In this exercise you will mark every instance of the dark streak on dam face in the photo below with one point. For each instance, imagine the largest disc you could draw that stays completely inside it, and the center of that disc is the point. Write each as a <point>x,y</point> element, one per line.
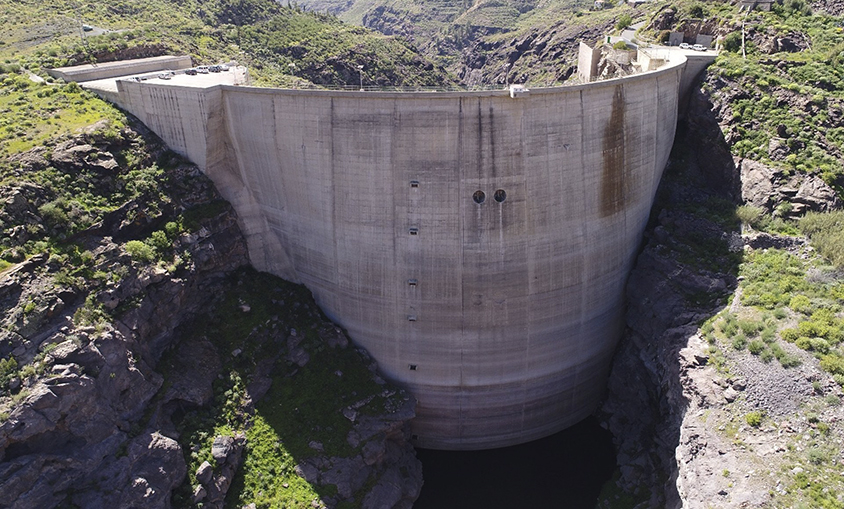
<point>612,179</point>
<point>508,330</point>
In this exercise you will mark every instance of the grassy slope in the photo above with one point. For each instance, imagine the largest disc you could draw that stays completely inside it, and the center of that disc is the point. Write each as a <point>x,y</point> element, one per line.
<point>797,97</point>
<point>259,33</point>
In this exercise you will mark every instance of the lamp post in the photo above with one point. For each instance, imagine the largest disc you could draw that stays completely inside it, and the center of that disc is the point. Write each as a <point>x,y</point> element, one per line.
<point>292,67</point>
<point>360,73</point>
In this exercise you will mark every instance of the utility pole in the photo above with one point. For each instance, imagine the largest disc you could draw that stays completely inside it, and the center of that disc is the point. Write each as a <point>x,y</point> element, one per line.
<point>743,53</point>
<point>360,73</point>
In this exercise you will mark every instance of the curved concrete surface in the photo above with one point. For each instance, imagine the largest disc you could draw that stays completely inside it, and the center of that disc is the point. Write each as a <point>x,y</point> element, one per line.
<point>500,316</point>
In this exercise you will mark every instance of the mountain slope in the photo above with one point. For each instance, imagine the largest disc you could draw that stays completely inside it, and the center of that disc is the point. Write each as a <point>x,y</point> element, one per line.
<point>261,34</point>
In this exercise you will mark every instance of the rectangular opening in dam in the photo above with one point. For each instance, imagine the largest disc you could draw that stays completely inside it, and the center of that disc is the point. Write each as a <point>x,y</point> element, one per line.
<point>411,282</point>
<point>414,231</point>
<point>411,318</point>
<point>412,367</point>
<point>414,183</point>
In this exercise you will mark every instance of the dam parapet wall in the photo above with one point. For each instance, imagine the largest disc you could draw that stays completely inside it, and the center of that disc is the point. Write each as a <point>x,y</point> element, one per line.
<point>476,244</point>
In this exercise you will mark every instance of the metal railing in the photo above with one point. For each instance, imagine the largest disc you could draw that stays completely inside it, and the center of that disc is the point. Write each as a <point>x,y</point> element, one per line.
<point>409,88</point>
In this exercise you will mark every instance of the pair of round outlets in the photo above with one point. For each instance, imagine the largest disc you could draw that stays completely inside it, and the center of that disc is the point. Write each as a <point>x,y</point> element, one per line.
<point>499,196</point>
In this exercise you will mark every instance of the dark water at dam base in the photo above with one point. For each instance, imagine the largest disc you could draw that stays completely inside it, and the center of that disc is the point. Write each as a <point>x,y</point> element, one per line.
<point>563,471</point>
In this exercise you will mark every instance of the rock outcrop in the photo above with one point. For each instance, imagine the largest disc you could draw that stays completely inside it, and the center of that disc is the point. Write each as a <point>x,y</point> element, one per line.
<point>101,360</point>
<point>685,407</point>
<point>794,195</point>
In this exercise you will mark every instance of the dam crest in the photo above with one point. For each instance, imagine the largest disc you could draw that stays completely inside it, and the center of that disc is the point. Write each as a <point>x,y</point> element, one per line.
<point>477,244</point>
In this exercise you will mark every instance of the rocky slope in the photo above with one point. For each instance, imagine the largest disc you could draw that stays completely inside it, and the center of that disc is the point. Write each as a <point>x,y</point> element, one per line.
<point>101,369</point>
<point>487,43</point>
<point>709,403</point>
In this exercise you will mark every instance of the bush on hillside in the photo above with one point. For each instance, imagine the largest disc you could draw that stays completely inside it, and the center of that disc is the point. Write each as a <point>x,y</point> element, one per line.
<point>826,232</point>
<point>733,42</point>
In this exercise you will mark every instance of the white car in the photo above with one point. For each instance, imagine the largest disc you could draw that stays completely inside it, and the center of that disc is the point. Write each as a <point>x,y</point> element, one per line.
<point>699,47</point>
<point>684,45</point>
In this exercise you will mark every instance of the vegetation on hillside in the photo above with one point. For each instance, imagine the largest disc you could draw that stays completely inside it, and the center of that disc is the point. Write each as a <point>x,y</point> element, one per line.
<point>264,35</point>
<point>783,93</point>
<point>534,42</point>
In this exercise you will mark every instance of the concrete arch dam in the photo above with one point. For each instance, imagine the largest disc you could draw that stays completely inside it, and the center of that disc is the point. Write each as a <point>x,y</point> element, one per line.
<point>477,245</point>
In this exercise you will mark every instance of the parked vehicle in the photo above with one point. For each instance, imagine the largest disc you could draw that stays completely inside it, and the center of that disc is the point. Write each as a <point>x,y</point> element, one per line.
<point>699,47</point>
<point>202,69</point>
<point>214,68</point>
<point>190,72</point>
<point>684,45</point>
<point>87,28</point>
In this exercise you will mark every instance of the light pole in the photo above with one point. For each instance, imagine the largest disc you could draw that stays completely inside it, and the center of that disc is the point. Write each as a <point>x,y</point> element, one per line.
<point>360,73</point>
<point>292,67</point>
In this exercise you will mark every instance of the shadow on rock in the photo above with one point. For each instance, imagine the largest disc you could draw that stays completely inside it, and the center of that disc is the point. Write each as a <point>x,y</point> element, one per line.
<point>688,266</point>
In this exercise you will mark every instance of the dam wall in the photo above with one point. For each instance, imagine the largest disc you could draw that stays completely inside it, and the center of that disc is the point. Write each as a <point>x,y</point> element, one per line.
<point>477,245</point>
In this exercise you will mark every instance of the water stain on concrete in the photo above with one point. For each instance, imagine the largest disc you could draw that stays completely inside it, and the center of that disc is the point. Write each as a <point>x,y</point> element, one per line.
<point>612,179</point>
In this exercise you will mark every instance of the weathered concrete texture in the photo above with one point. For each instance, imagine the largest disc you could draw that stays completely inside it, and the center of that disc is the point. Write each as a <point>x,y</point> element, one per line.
<point>88,72</point>
<point>500,316</point>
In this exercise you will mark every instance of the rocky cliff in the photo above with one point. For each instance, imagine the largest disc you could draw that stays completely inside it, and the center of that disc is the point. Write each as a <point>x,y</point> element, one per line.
<point>709,402</point>
<point>103,374</point>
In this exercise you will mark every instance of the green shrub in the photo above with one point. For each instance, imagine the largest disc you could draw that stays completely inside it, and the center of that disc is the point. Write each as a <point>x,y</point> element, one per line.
<point>750,215</point>
<point>696,10</point>
<point>159,241</point>
<point>8,368</point>
<point>53,214</point>
<point>790,335</point>
<point>624,21</point>
<point>785,359</point>
<point>819,345</point>
<point>740,342</point>
<point>801,304</point>
<point>620,45</point>
<point>816,456</point>
<point>826,233</point>
<point>140,251</point>
<point>833,364</point>
<point>769,335</point>
<point>750,327</point>
<point>824,316</point>
<point>813,329</point>
<point>729,327</point>
<point>756,347</point>
<point>753,418</point>
<point>793,8</point>
<point>172,230</point>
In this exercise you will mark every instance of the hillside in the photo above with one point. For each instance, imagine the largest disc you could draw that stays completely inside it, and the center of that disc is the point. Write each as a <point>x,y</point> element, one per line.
<point>264,35</point>
<point>735,304</point>
<point>484,42</point>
